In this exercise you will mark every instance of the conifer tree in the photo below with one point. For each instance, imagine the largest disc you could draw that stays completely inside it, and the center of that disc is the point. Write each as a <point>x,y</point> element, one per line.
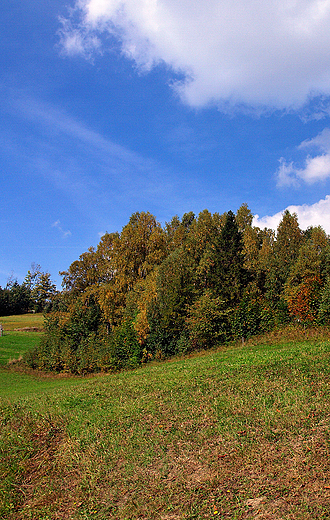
<point>229,276</point>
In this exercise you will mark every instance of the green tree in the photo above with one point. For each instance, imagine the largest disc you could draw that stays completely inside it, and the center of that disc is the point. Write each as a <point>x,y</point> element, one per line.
<point>174,290</point>
<point>14,298</point>
<point>42,289</point>
<point>228,276</point>
<point>207,322</point>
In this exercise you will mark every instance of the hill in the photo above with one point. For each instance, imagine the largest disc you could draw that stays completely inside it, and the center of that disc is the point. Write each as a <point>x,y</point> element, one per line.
<point>241,432</point>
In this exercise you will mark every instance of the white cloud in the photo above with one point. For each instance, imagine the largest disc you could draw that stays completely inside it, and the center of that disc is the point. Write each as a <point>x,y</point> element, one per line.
<point>287,174</point>
<point>233,53</point>
<point>320,142</point>
<point>315,169</point>
<point>317,214</point>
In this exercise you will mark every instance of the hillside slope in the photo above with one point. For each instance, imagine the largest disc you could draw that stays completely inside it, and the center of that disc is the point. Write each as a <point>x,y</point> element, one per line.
<point>238,433</point>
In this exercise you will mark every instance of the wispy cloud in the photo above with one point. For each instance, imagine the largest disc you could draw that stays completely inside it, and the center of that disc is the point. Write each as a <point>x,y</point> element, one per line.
<point>317,214</point>
<point>92,171</point>
<point>58,226</point>
<point>315,168</point>
<point>231,53</point>
<point>77,40</point>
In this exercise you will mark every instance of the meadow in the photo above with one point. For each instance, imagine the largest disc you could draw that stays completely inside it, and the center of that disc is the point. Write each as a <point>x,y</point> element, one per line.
<point>20,333</point>
<point>235,433</point>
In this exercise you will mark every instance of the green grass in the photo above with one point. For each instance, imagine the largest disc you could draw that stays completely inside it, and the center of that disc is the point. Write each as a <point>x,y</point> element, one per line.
<point>15,341</point>
<point>15,344</point>
<point>240,433</point>
<point>17,385</point>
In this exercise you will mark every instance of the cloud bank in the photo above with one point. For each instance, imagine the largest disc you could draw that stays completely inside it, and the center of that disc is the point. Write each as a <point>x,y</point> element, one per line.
<point>317,214</point>
<point>231,53</point>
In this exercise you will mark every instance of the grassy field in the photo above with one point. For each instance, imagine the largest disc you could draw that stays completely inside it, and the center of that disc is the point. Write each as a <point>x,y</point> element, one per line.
<point>239,433</point>
<point>13,345</point>
<point>19,335</point>
<point>22,321</point>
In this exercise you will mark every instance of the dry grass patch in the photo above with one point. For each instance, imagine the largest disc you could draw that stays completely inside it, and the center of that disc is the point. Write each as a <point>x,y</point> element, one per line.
<point>23,322</point>
<point>40,472</point>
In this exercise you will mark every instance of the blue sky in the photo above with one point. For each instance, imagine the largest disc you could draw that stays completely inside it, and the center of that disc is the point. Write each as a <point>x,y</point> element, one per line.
<point>110,107</point>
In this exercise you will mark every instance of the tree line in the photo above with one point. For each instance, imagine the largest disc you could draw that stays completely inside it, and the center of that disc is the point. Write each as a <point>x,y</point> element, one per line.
<point>151,292</point>
<point>34,294</point>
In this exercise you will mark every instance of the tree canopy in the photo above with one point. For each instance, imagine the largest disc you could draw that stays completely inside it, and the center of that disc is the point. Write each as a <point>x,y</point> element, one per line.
<point>150,292</point>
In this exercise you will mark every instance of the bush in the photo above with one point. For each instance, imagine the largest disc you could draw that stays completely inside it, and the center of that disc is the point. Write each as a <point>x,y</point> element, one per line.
<point>126,351</point>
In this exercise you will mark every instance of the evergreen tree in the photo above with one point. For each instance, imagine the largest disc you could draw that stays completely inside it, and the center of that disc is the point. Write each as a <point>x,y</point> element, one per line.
<point>228,276</point>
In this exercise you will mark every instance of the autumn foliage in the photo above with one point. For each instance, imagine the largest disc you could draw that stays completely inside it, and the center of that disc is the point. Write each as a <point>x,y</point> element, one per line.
<point>151,292</point>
